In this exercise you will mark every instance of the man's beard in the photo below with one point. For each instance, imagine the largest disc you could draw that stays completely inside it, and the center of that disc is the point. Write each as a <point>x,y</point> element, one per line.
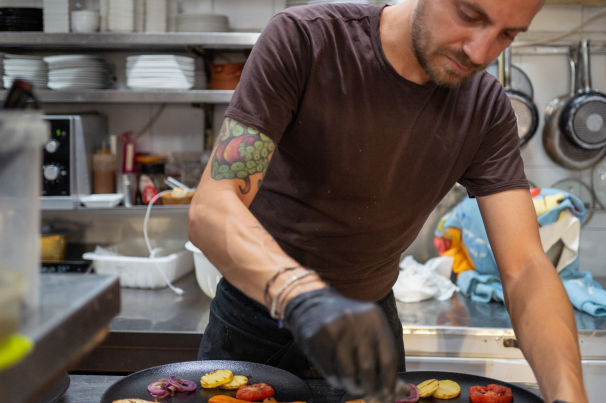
<point>440,73</point>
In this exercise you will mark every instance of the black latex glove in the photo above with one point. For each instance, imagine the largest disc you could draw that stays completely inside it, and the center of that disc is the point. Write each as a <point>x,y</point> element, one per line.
<point>348,341</point>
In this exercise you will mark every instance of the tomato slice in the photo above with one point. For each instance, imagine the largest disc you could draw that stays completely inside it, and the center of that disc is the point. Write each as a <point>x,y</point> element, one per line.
<point>490,394</point>
<point>258,391</point>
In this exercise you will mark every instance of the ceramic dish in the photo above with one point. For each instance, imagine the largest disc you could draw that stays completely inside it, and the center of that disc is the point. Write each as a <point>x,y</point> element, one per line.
<point>107,200</point>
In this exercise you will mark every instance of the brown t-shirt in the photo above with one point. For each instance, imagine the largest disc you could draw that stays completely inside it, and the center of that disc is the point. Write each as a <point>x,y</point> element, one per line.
<point>363,154</point>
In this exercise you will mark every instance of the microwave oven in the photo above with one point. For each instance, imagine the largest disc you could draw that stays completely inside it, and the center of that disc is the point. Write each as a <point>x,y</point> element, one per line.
<point>66,158</point>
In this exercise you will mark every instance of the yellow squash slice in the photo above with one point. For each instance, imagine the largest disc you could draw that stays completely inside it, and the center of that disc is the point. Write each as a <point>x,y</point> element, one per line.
<point>447,390</point>
<point>239,380</point>
<point>216,378</point>
<point>428,387</point>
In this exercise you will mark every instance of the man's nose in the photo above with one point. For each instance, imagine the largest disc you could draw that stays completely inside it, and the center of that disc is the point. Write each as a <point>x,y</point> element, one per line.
<point>480,47</point>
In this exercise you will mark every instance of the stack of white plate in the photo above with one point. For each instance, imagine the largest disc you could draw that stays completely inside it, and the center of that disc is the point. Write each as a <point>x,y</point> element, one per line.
<point>160,72</point>
<point>202,23</point>
<point>155,15</point>
<point>30,68</point>
<point>56,15</point>
<point>121,15</point>
<point>77,72</point>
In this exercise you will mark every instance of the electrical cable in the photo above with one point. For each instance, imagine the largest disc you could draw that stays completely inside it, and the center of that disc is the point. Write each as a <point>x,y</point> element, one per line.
<point>177,290</point>
<point>150,123</point>
<point>559,36</point>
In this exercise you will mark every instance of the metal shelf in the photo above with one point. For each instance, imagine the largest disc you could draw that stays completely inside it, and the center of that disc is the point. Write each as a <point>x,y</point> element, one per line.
<point>159,209</point>
<point>112,40</point>
<point>133,97</point>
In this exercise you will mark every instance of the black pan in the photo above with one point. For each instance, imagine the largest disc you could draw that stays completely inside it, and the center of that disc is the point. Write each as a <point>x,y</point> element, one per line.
<point>287,386</point>
<point>465,381</point>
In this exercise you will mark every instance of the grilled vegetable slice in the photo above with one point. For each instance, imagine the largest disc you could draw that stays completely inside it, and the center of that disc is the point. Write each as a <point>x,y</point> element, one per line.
<point>239,380</point>
<point>428,387</point>
<point>225,399</point>
<point>447,390</point>
<point>216,378</point>
<point>258,391</point>
<point>490,394</point>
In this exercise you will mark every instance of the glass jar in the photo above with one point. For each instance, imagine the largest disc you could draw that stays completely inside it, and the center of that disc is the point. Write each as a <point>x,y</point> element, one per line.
<point>151,181</point>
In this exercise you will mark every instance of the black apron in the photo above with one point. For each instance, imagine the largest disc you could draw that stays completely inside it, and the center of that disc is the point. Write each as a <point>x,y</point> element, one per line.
<point>241,329</point>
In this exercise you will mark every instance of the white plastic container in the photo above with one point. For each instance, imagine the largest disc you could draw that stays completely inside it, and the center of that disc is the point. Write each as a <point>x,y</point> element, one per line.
<point>22,135</point>
<point>207,275</point>
<point>137,271</point>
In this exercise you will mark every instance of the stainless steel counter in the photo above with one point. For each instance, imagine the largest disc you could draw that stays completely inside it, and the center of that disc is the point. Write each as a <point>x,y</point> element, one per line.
<point>460,327</point>
<point>162,311</point>
<point>72,318</point>
<point>157,327</point>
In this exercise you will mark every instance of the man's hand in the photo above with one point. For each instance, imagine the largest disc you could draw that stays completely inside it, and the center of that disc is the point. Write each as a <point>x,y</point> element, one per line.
<point>347,340</point>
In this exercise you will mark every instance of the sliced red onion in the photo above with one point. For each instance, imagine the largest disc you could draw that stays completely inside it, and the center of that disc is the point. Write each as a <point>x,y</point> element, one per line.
<point>158,388</point>
<point>413,394</point>
<point>182,385</point>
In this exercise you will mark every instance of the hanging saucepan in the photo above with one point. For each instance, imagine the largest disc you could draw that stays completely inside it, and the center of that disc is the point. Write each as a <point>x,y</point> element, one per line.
<point>557,146</point>
<point>523,106</point>
<point>583,118</point>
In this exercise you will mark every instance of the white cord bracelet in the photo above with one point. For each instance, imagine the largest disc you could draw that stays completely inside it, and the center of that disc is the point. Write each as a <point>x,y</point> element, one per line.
<point>274,302</point>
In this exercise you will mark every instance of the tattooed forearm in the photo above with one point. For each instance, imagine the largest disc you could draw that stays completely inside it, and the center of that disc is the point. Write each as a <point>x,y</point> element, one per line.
<point>241,152</point>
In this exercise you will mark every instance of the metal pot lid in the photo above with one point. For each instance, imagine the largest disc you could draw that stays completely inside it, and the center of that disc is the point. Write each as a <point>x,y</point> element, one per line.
<point>519,80</point>
<point>526,113</point>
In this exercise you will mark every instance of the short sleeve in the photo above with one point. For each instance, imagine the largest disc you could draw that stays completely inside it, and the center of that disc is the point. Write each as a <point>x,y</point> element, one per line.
<point>497,165</point>
<point>273,78</point>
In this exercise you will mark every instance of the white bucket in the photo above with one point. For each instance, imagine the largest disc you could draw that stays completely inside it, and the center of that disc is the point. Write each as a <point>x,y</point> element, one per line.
<point>207,275</point>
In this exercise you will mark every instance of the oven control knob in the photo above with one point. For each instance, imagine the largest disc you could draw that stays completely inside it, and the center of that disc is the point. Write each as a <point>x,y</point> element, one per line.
<point>51,146</point>
<point>51,172</point>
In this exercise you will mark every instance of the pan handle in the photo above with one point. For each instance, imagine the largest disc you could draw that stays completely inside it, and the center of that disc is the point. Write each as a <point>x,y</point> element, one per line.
<point>573,53</point>
<point>507,68</point>
<point>586,67</point>
<point>501,69</point>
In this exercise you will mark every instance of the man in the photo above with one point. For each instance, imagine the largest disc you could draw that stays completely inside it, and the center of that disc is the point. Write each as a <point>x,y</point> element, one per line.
<point>369,115</point>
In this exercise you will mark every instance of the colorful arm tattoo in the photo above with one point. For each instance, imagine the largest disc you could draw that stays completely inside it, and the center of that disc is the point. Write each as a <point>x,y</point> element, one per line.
<point>241,152</point>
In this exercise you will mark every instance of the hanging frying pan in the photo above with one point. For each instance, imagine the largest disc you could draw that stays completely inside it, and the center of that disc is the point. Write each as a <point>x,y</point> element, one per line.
<point>557,146</point>
<point>583,118</point>
<point>526,111</point>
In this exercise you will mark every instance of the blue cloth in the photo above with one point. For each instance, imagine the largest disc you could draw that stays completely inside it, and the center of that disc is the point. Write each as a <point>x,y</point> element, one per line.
<point>484,284</point>
<point>570,202</point>
<point>466,217</point>
<point>584,292</point>
<point>480,287</point>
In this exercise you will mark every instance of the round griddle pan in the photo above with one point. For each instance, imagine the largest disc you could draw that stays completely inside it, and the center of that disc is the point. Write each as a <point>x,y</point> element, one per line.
<point>556,144</point>
<point>287,386</point>
<point>465,381</point>
<point>583,118</point>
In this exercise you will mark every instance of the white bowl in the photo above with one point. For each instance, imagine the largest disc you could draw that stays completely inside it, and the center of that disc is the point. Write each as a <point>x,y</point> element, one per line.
<point>85,21</point>
<point>107,200</point>
<point>207,275</point>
